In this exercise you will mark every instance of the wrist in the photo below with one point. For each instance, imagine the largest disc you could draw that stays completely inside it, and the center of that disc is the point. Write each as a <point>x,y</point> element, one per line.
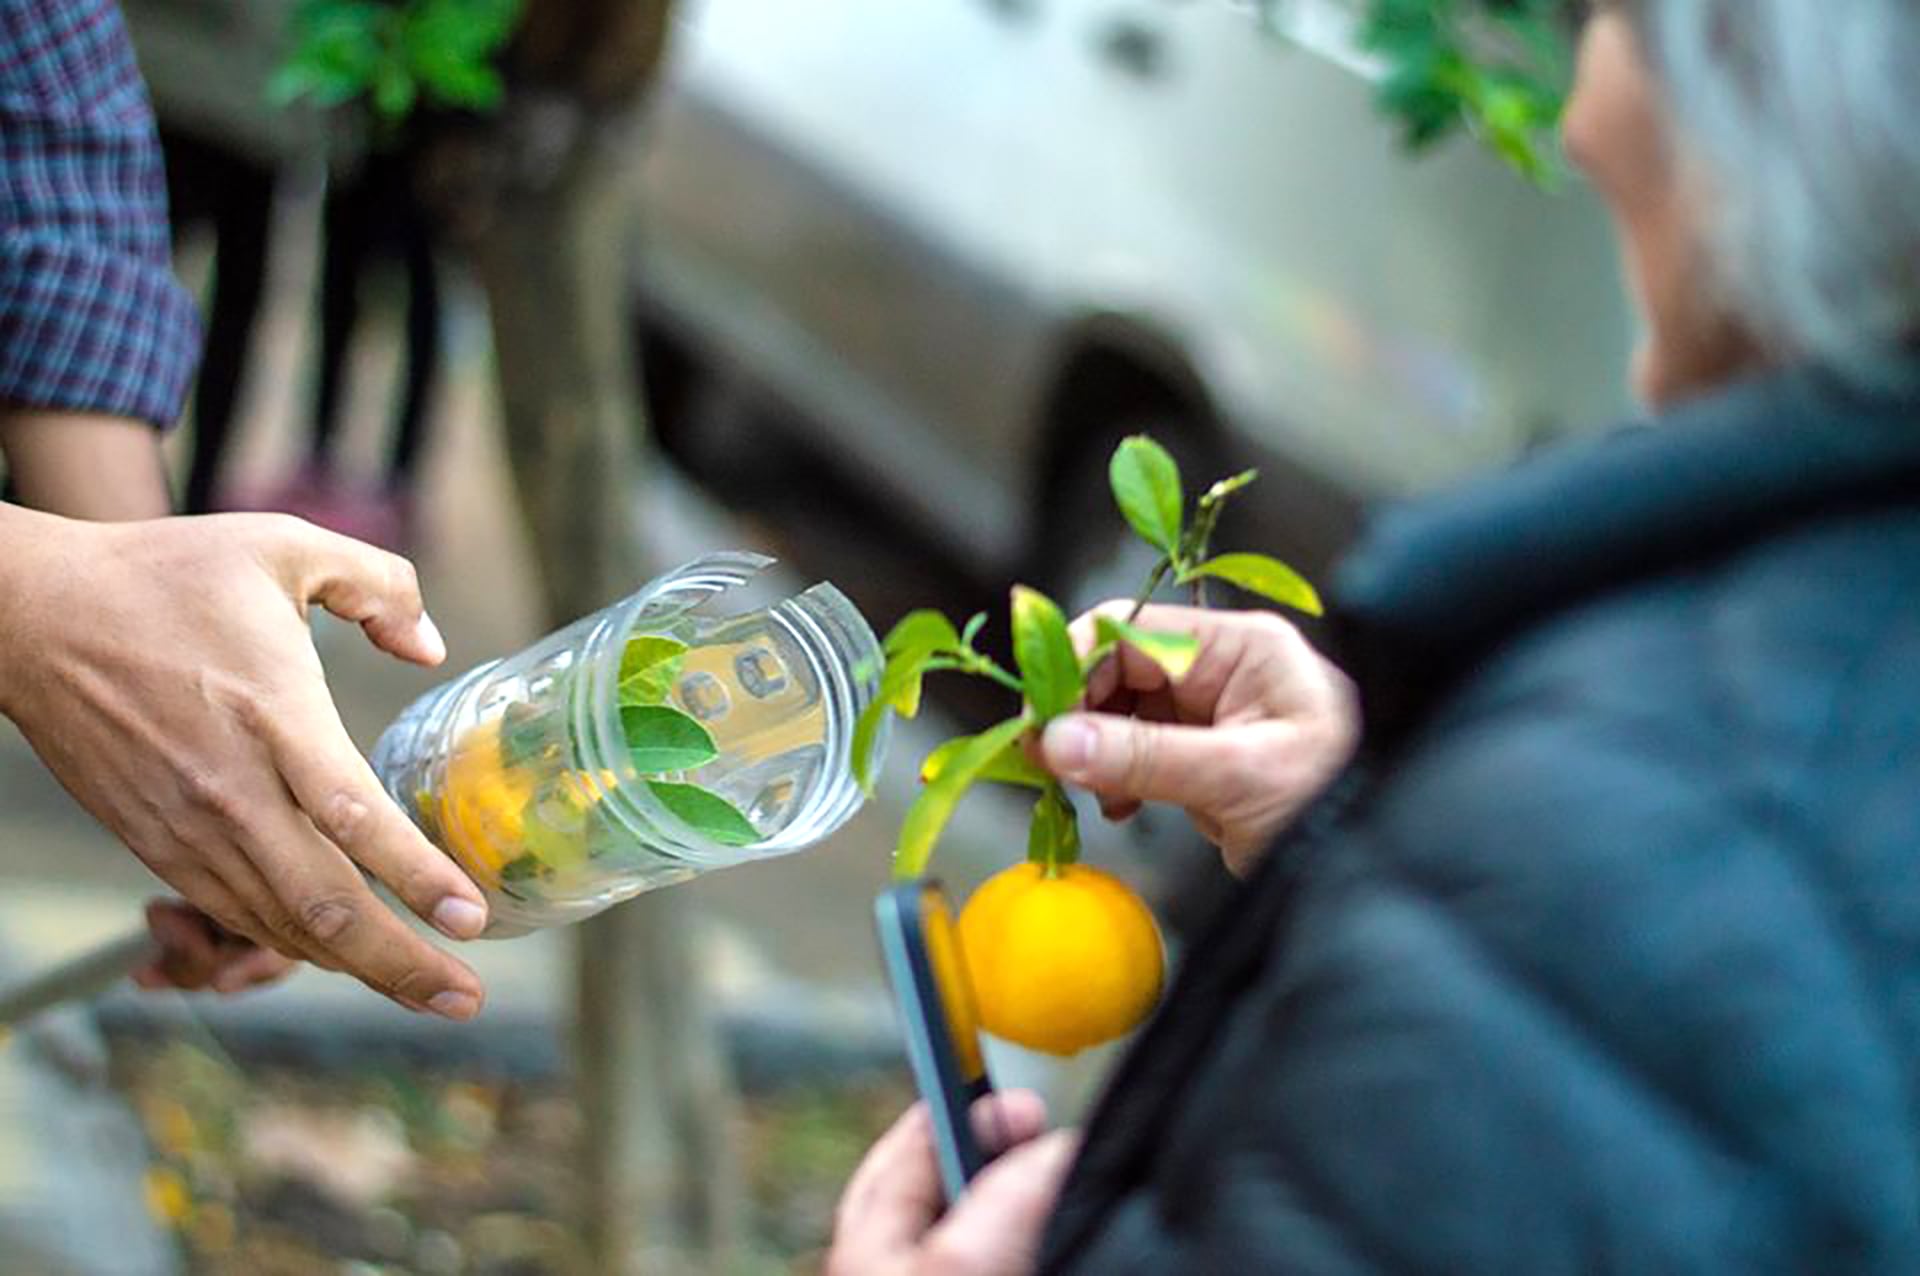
<point>27,555</point>
<point>106,469</point>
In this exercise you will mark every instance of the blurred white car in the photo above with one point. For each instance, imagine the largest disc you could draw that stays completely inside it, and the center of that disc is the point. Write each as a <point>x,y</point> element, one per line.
<point>973,242</point>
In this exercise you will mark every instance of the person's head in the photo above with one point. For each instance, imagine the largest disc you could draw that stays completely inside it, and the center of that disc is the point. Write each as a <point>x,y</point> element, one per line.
<point>1762,162</point>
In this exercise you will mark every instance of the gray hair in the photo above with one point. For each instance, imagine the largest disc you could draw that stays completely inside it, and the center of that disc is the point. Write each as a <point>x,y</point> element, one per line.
<point>1802,119</point>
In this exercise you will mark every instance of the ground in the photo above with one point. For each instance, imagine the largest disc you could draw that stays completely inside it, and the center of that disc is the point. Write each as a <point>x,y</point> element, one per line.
<point>390,1169</point>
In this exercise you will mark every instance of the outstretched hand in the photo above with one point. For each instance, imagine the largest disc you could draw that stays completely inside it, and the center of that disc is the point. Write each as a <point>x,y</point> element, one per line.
<point>165,673</point>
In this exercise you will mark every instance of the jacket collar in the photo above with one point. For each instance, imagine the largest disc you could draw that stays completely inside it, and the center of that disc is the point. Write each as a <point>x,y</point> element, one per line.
<point>1436,586</point>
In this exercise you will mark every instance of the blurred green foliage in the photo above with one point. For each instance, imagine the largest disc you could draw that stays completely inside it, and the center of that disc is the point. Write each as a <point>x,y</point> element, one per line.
<point>397,54</point>
<point>1499,69</point>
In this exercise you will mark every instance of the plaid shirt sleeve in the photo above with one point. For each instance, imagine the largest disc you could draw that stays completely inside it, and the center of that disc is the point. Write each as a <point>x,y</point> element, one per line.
<point>91,316</point>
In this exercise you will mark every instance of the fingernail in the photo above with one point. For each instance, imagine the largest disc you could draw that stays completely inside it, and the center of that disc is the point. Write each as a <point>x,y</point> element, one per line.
<point>458,1006</point>
<point>1069,745</point>
<point>460,918</point>
<point>432,645</point>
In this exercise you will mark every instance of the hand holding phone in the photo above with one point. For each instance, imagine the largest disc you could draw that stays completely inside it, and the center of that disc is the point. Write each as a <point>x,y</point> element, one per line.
<point>920,949</point>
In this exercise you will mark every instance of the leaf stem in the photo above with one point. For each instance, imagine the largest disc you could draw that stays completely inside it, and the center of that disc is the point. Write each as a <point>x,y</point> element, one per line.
<point>985,666</point>
<point>1146,593</point>
<point>967,661</point>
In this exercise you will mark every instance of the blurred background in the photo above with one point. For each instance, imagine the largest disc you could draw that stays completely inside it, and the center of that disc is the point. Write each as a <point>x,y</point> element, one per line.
<point>553,296</point>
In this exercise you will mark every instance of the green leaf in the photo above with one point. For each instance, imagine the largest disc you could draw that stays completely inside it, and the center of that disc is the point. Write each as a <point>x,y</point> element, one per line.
<point>1146,484</point>
<point>394,91</point>
<point>1049,667</point>
<point>649,667</point>
<point>1010,766</point>
<point>525,868</point>
<point>928,816</point>
<point>1174,653</point>
<point>1258,574</point>
<point>923,630</point>
<point>708,814</point>
<point>1053,833</point>
<point>661,740</point>
<point>526,733</point>
<point>324,85</point>
<point>464,84</point>
<point>866,733</point>
<point>554,850</point>
<point>900,687</point>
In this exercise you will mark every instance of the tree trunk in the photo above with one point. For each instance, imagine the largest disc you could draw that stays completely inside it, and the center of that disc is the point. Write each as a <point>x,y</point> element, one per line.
<point>552,247</point>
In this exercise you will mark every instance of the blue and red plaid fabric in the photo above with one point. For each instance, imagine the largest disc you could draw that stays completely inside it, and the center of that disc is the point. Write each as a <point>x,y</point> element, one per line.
<point>91,316</point>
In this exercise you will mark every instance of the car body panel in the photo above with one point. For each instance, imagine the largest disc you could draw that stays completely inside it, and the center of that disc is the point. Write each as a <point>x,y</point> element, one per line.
<point>908,218</point>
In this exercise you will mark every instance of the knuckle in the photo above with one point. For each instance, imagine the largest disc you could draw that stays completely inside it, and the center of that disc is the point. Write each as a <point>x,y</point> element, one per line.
<point>414,983</point>
<point>328,917</point>
<point>280,530</point>
<point>250,707</point>
<point>342,817</point>
<point>210,793</point>
<point>1142,756</point>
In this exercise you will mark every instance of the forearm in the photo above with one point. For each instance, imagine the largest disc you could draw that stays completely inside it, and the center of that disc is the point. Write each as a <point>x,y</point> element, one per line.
<point>29,551</point>
<point>94,467</point>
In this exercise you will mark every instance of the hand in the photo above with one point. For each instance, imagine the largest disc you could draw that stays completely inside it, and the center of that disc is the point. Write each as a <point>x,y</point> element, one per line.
<point>196,953</point>
<point>889,1222</point>
<point>165,673</point>
<point>1259,725</point>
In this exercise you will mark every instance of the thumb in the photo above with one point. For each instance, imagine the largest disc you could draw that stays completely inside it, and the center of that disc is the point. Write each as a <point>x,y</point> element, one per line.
<point>376,590</point>
<point>1128,759</point>
<point>996,1224</point>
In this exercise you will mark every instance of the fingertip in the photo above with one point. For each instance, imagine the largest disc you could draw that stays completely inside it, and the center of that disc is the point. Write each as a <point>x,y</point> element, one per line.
<point>455,1004</point>
<point>458,917</point>
<point>429,645</point>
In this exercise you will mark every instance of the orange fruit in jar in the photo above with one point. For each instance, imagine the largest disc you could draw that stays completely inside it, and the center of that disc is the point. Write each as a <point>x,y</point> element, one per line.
<point>1061,959</point>
<point>483,805</point>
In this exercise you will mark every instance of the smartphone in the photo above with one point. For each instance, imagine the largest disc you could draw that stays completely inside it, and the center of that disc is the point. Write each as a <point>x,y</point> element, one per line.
<point>920,949</point>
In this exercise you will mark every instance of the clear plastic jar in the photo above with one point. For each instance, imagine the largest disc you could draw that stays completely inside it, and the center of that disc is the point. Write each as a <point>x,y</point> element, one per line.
<point>568,777</point>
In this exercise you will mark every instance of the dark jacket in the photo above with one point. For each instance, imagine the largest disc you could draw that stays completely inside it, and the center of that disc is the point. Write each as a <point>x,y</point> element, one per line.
<point>1606,956</point>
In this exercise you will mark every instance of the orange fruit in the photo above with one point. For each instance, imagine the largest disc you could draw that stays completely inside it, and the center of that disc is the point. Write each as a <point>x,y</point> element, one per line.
<point>1061,960</point>
<point>483,806</point>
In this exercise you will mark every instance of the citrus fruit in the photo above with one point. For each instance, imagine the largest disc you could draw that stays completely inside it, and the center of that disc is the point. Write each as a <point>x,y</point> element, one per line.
<point>1061,959</point>
<point>483,805</point>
